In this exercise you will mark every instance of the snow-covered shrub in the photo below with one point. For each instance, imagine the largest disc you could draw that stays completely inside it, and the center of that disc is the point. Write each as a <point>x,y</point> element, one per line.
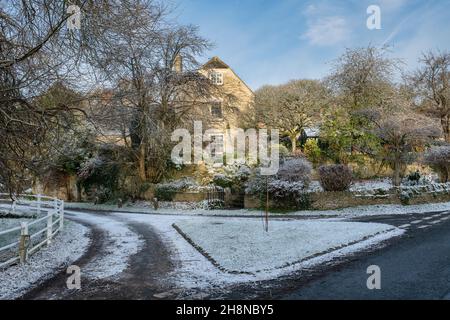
<point>336,177</point>
<point>243,173</point>
<point>212,204</point>
<point>232,176</point>
<point>289,194</point>
<point>295,170</point>
<point>183,184</point>
<point>282,150</point>
<point>285,194</point>
<point>423,181</point>
<point>438,158</point>
<point>223,181</point>
<point>405,196</point>
<point>89,167</point>
<point>102,194</point>
<point>256,185</point>
<point>164,192</point>
<point>413,178</point>
<point>99,177</point>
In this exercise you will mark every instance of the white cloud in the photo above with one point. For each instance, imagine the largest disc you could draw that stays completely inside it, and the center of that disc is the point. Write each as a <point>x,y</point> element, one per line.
<point>327,31</point>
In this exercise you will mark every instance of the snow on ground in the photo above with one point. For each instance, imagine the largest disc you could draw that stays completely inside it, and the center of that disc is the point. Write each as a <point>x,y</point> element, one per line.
<point>121,244</point>
<point>358,186</point>
<point>193,270</point>
<point>243,246</point>
<point>371,185</point>
<point>64,250</point>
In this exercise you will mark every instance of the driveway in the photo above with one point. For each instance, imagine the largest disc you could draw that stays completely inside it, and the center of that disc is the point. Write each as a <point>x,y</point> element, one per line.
<point>140,280</point>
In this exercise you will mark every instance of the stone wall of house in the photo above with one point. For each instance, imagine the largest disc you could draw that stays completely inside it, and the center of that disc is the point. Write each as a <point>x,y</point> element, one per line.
<point>236,97</point>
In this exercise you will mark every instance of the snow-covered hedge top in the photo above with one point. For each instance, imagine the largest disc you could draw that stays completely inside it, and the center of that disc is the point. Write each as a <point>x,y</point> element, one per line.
<point>184,184</point>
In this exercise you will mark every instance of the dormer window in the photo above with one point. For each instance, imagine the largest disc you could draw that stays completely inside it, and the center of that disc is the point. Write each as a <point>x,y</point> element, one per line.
<point>216,78</point>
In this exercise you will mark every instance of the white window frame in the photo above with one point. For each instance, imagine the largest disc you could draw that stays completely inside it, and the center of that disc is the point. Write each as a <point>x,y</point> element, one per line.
<point>216,78</point>
<point>212,105</point>
<point>215,145</point>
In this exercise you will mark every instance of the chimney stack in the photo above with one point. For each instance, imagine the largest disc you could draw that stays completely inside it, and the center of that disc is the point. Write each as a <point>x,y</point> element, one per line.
<point>178,64</point>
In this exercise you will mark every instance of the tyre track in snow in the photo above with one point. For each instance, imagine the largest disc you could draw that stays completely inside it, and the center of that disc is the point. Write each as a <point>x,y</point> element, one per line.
<point>141,279</point>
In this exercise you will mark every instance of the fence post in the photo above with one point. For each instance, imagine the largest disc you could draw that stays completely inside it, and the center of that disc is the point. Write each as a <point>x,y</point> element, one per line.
<point>38,204</point>
<point>14,206</point>
<point>24,241</point>
<point>50,221</point>
<point>61,215</point>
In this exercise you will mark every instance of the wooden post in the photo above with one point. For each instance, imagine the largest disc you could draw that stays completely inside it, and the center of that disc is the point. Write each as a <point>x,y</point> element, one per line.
<point>61,215</point>
<point>267,205</point>
<point>24,241</point>
<point>50,221</point>
<point>38,204</point>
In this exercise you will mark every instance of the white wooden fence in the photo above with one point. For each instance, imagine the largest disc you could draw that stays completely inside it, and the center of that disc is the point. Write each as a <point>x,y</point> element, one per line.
<point>49,211</point>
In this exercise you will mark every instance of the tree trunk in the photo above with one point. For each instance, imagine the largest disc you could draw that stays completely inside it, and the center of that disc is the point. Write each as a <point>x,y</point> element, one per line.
<point>141,163</point>
<point>294,143</point>
<point>444,176</point>
<point>79,191</point>
<point>396,179</point>
<point>445,123</point>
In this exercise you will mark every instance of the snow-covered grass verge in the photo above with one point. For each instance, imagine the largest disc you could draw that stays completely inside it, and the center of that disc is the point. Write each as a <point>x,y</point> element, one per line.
<point>194,270</point>
<point>67,248</point>
<point>121,243</point>
<point>242,246</point>
<point>352,212</point>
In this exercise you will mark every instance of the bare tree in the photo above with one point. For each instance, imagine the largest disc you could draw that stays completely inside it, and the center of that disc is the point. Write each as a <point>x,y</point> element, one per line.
<point>136,55</point>
<point>31,59</point>
<point>291,107</point>
<point>400,135</point>
<point>361,82</point>
<point>361,77</point>
<point>432,82</point>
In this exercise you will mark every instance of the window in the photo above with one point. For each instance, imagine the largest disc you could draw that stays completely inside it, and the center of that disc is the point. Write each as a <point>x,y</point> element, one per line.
<point>216,78</point>
<point>216,145</point>
<point>216,110</point>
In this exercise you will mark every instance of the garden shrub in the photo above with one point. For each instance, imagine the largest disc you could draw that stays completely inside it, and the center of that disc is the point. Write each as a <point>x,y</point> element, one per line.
<point>102,194</point>
<point>213,204</point>
<point>283,190</point>
<point>232,176</point>
<point>413,178</point>
<point>164,192</point>
<point>282,150</point>
<point>223,181</point>
<point>295,170</point>
<point>99,177</point>
<point>289,194</point>
<point>336,177</point>
<point>312,151</point>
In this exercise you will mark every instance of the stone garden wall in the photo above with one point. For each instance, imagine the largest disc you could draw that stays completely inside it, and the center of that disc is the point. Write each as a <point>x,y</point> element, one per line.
<point>338,200</point>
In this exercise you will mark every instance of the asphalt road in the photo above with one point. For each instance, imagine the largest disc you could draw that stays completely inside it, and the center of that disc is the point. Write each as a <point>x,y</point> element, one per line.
<point>416,266</point>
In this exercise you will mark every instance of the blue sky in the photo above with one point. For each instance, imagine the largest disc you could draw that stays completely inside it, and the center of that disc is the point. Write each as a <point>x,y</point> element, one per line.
<point>273,41</point>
